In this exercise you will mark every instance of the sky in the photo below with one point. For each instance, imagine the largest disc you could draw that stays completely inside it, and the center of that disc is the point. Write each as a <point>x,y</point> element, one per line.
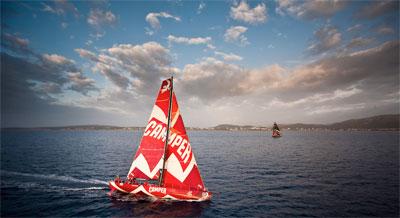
<point>233,62</point>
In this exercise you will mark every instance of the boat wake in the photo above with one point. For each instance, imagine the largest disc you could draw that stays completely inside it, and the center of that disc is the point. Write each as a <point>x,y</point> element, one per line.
<point>50,182</point>
<point>55,177</point>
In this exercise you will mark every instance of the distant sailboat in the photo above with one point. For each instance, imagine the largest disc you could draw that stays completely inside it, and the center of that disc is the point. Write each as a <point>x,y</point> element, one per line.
<point>164,166</point>
<point>276,132</point>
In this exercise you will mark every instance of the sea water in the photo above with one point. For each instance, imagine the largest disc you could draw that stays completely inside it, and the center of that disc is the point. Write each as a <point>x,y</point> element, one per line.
<point>303,173</point>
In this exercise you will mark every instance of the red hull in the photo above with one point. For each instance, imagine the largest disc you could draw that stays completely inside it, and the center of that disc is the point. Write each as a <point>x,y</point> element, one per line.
<point>276,134</point>
<point>157,192</point>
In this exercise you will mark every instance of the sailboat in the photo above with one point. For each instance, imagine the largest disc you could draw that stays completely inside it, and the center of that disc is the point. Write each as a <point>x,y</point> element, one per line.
<point>164,166</point>
<point>276,133</point>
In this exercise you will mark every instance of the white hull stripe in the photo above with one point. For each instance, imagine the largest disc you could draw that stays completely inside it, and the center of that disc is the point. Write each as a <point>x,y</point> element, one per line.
<point>141,189</point>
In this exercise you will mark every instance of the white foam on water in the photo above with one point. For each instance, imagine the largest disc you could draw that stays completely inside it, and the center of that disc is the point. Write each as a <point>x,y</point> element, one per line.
<point>56,177</point>
<point>87,188</point>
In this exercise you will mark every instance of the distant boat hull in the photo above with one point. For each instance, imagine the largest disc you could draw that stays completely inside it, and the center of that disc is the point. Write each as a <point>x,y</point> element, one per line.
<point>155,191</point>
<point>276,134</point>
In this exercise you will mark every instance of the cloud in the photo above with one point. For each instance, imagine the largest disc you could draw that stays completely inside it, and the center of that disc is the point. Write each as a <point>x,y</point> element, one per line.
<point>44,78</point>
<point>316,98</point>
<point>385,30</point>
<point>59,63</point>
<point>60,8</point>
<point>325,38</point>
<point>64,25</point>
<point>98,18</point>
<point>30,96</point>
<point>377,8</point>
<point>330,109</point>
<point>81,84</point>
<point>243,12</point>
<point>359,42</point>
<point>43,72</point>
<point>235,35</point>
<point>201,7</point>
<point>310,9</point>
<point>355,28</point>
<point>359,84</point>
<point>153,19</point>
<point>228,57</point>
<point>212,79</point>
<point>148,31</point>
<point>191,41</point>
<point>346,70</point>
<point>15,43</point>
<point>87,54</point>
<point>134,67</point>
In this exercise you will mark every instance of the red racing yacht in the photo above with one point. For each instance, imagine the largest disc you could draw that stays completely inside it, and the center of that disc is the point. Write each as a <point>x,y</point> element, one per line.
<point>164,166</point>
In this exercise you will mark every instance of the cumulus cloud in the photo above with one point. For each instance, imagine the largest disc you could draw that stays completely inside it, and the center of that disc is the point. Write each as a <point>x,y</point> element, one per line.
<point>43,72</point>
<point>325,38</point>
<point>228,57</point>
<point>243,12</point>
<point>375,9</point>
<point>350,82</point>
<point>369,67</point>
<point>190,41</point>
<point>310,9</point>
<point>98,18</point>
<point>153,19</point>
<point>136,67</point>
<point>235,35</point>
<point>212,79</point>
<point>86,54</point>
<point>81,84</point>
<point>353,78</point>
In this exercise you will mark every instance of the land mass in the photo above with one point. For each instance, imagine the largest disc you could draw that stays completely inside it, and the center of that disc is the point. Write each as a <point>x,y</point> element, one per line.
<point>381,122</point>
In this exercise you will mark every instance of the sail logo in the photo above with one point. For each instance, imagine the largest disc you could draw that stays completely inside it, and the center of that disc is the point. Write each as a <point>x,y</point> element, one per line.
<point>166,87</point>
<point>157,189</point>
<point>158,131</point>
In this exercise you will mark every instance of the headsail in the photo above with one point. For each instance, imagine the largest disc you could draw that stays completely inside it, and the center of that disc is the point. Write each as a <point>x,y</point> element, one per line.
<point>148,158</point>
<point>181,169</point>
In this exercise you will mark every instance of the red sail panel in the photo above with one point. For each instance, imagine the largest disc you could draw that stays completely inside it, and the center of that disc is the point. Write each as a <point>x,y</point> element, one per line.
<point>148,158</point>
<point>181,169</point>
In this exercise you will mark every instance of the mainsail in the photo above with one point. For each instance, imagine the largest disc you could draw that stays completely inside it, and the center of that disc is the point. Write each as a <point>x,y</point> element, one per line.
<point>181,169</point>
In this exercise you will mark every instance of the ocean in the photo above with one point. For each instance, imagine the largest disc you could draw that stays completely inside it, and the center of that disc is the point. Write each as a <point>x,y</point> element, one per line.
<point>304,173</point>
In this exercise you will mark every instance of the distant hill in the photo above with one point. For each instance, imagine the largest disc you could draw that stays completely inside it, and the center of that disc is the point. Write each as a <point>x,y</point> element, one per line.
<point>390,121</point>
<point>381,122</point>
<point>79,127</point>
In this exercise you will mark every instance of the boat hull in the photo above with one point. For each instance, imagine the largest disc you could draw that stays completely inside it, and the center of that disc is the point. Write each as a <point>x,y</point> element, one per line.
<point>276,134</point>
<point>155,191</point>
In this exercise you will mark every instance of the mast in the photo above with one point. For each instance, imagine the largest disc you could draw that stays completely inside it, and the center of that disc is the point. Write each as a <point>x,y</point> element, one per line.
<point>168,126</point>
